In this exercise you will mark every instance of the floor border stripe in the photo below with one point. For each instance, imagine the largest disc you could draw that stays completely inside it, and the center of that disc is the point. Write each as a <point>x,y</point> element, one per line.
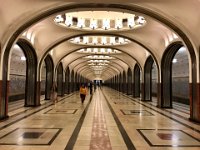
<point>26,116</point>
<point>162,113</point>
<point>77,129</point>
<point>125,136</point>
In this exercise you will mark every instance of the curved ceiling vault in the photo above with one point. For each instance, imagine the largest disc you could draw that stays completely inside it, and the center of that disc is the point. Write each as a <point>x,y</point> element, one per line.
<point>98,63</point>
<point>109,28</point>
<point>100,40</point>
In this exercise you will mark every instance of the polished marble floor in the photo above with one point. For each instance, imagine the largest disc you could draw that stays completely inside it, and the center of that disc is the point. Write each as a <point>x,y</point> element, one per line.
<point>108,120</point>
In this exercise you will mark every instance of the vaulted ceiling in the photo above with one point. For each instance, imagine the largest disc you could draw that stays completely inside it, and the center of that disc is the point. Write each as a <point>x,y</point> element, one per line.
<point>99,40</point>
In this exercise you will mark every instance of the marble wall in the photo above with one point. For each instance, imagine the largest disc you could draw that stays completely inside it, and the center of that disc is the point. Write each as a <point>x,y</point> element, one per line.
<point>180,77</point>
<point>154,79</point>
<point>18,75</point>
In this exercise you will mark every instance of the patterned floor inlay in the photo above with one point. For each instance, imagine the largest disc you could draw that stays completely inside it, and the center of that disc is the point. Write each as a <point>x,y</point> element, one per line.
<point>100,138</point>
<point>61,111</point>
<point>168,138</point>
<point>30,136</point>
<point>124,103</point>
<point>137,112</point>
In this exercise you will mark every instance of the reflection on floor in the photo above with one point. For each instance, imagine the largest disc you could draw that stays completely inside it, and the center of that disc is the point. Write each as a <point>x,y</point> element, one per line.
<point>17,107</point>
<point>179,109</point>
<point>107,120</point>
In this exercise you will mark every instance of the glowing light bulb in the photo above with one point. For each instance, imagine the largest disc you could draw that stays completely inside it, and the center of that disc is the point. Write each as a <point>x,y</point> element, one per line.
<point>93,24</point>
<point>85,39</point>
<point>112,40</point>
<point>68,21</point>
<point>59,19</point>
<point>77,39</point>
<point>106,24</point>
<point>131,21</point>
<point>94,40</point>
<point>118,24</point>
<point>81,22</point>
<point>104,40</point>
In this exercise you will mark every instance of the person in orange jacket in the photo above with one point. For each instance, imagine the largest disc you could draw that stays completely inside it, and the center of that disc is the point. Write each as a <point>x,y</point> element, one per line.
<point>83,93</point>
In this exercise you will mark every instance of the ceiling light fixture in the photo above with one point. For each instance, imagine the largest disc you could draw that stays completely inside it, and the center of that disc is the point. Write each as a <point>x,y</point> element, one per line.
<point>118,23</point>
<point>100,20</point>
<point>93,24</point>
<point>99,51</point>
<point>106,24</point>
<point>100,40</point>
<point>68,21</point>
<point>81,22</point>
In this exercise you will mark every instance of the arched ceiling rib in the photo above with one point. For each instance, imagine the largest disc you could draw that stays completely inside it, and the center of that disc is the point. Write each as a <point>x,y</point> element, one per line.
<point>71,59</point>
<point>114,70</point>
<point>83,63</point>
<point>131,49</point>
<point>153,37</point>
<point>80,58</point>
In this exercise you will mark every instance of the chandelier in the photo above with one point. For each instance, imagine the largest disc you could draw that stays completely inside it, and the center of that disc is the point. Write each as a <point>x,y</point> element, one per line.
<point>100,20</point>
<point>99,51</point>
<point>99,40</point>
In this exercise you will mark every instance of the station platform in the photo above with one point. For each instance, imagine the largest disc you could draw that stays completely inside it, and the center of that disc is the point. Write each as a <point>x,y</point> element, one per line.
<point>107,120</point>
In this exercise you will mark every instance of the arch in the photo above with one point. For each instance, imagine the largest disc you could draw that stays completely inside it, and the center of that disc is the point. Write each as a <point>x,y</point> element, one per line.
<point>129,81</point>
<point>72,81</point>
<point>81,79</point>
<point>67,80</point>
<point>147,85</point>
<point>31,72</point>
<point>76,82</point>
<point>82,64</point>
<point>166,75</point>
<point>124,82</point>
<point>99,54</point>
<point>136,8</point>
<point>67,38</point>
<point>155,82</point>
<point>17,83</point>
<point>94,54</point>
<point>136,88</point>
<point>31,87</point>
<point>49,76</point>
<point>60,80</point>
<point>120,82</point>
<point>109,67</point>
<point>118,86</point>
<point>115,83</point>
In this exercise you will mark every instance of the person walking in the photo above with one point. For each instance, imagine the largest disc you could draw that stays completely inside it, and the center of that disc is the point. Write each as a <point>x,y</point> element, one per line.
<point>83,93</point>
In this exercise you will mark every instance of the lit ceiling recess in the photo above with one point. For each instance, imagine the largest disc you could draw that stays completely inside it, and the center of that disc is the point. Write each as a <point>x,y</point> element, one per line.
<point>100,20</point>
<point>103,57</point>
<point>98,65</point>
<point>99,40</point>
<point>98,51</point>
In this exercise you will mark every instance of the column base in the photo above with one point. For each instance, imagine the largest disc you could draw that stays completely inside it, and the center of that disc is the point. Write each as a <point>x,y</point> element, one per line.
<point>4,118</point>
